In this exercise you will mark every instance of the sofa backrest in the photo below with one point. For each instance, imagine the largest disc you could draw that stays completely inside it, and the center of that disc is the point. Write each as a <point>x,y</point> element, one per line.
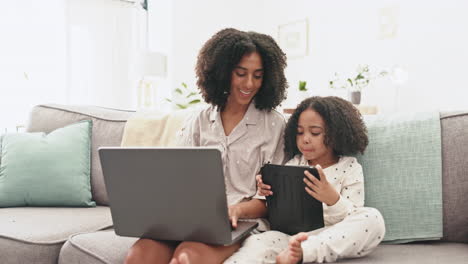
<point>454,130</point>
<point>108,127</point>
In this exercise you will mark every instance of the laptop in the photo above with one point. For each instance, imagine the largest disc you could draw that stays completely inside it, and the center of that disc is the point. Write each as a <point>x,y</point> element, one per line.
<point>175,194</point>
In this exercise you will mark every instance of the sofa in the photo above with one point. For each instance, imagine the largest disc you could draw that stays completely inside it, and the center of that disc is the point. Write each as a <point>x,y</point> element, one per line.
<point>85,235</point>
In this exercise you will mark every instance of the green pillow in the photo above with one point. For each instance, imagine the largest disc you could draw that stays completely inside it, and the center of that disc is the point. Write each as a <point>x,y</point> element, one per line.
<point>47,170</point>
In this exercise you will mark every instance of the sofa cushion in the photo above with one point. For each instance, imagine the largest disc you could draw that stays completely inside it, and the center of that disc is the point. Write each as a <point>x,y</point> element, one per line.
<point>14,252</point>
<point>106,247</point>
<point>427,253</point>
<point>36,234</point>
<point>108,125</point>
<point>455,170</point>
<point>98,247</point>
<point>47,170</point>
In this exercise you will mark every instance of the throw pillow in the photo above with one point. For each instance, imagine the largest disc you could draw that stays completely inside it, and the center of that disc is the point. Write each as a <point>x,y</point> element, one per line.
<point>403,174</point>
<point>47,170</point>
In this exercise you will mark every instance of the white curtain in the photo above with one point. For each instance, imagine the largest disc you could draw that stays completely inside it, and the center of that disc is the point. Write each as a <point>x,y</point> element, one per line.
<point>68,52</point>
<point>32,58</point>
<point>105,38</point>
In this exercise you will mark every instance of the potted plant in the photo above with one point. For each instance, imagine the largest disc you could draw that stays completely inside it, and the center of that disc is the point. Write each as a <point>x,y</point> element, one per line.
<point>303,90</point>
<point>302,86</point>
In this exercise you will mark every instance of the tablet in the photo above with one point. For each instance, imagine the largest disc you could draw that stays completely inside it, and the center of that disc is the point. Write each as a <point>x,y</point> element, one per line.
<point>291,209</point>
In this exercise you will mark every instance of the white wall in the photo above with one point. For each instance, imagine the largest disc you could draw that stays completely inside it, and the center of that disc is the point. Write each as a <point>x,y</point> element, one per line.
<point>80,51</point>
<point>194,22</point>
<point>430,44</point>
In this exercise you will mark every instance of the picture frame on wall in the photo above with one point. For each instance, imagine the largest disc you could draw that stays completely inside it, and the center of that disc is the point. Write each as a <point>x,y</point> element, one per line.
<point>293,38</point>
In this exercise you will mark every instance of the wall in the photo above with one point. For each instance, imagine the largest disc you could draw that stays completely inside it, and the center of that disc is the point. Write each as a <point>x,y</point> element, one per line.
<point>82,51</point>
<point>194,22</point>
<point>429,44</point>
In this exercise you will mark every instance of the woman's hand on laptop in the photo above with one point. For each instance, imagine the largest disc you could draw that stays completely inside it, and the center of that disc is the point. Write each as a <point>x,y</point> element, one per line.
<point>234,214</point>
<point>263,189</point>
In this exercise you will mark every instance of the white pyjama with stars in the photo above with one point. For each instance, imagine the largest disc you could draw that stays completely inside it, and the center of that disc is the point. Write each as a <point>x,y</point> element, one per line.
<point>350,231</point>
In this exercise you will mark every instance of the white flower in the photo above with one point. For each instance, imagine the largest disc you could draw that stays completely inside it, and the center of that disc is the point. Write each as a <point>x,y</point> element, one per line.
<point>358,81</point>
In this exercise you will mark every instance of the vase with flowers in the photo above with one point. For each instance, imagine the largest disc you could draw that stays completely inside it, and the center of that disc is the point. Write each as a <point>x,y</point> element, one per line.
<point>357,81</point>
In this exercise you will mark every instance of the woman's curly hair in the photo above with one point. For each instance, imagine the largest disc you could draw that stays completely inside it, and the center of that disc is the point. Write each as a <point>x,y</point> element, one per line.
<point>222,52</point>
<point>345,131</point>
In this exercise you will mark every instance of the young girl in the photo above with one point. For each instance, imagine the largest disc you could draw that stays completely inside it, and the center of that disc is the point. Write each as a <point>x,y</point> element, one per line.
<point>323,132</point>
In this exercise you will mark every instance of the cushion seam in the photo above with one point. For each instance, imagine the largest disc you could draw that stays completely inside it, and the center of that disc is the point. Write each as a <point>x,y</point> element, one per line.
<point>33,243</point>
<point>72,243</point>
<point>454,115</point>
<point>88,115</point>
<point>51,242</point>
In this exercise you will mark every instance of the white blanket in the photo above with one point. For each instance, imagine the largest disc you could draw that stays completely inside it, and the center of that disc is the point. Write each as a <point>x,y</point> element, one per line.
<point>153,129</point>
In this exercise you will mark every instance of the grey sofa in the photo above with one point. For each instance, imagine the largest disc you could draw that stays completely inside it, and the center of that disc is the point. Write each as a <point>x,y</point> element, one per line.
<point>85,235</point>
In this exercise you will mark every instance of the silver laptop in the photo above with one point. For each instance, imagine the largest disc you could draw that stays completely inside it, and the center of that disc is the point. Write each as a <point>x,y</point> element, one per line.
<point>169,194</point>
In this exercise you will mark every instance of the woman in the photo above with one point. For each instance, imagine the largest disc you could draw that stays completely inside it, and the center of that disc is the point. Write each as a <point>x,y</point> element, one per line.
<point>241,74</point>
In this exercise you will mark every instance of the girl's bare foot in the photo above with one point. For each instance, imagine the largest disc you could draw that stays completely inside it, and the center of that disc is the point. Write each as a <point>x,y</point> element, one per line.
<point>293,254</point>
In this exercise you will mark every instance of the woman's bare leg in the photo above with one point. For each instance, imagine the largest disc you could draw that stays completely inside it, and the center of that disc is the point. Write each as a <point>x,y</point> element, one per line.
<point>196,252</point>
<point>150,251</point>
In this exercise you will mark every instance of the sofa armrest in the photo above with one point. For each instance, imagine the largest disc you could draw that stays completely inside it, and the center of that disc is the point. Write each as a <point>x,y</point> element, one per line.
<point>454,166</point>
<point>1,143</point>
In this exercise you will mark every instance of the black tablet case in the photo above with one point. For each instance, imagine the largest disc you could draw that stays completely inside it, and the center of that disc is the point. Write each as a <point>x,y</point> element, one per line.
<point>291,209</point>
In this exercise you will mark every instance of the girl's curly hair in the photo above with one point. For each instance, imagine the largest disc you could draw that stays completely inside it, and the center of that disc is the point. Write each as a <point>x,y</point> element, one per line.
<point>345,131</point>
<point>222,52</point>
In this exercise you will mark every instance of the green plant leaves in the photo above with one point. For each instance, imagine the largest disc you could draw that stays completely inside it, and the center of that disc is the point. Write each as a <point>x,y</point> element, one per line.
<point>185,97</point>
<point>191,94</point>
<point>196,101</point>
<point>302,86</point>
